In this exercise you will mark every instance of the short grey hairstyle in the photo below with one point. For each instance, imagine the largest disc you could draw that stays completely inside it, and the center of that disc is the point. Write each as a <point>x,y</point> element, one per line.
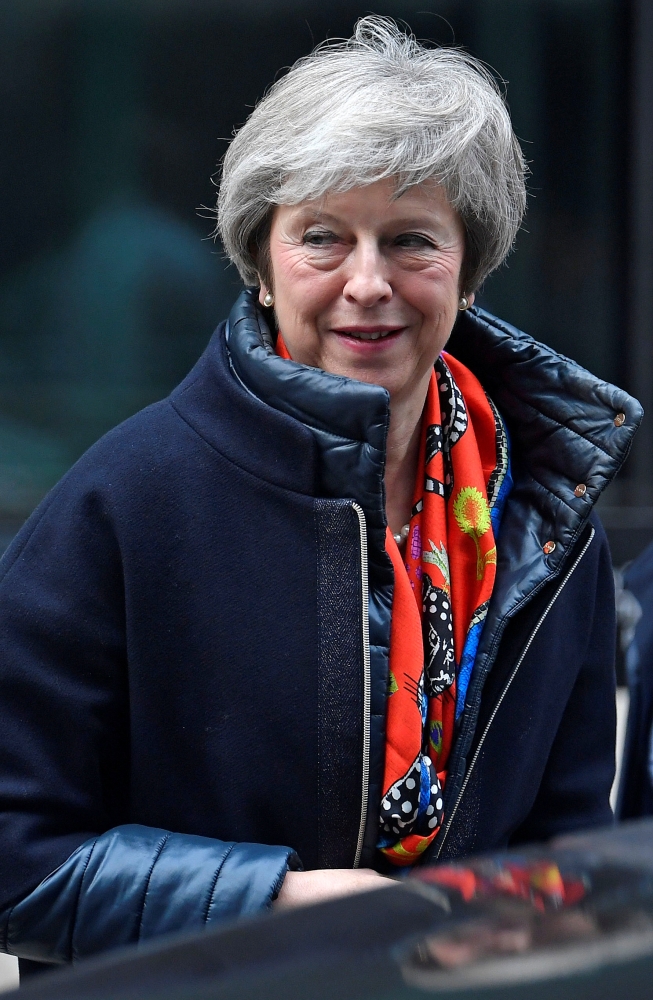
<point>378,105</point>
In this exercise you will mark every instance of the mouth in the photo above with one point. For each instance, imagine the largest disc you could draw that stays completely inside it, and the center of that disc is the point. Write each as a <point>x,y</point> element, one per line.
<point>362,334</point>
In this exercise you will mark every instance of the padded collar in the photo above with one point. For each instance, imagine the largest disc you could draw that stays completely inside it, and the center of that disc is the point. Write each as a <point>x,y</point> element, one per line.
<point>348,419</point>
<point>560,419</point>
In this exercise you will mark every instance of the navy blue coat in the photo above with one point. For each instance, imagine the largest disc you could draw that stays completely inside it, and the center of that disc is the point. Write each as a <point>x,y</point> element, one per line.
<point>636,785</point>
<point>194,631</point>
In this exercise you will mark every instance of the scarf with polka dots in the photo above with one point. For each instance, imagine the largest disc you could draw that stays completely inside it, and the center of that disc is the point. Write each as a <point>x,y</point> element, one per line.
<point>442,591</point>
<point>443,586</point>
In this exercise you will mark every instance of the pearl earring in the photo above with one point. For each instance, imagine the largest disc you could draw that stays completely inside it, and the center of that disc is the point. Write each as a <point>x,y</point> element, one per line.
<point>463,303</point>
<point>268,300</point>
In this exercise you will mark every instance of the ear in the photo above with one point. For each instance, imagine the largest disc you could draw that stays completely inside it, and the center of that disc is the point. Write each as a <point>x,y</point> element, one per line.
<point>471,297</point>
<point>263,291</point>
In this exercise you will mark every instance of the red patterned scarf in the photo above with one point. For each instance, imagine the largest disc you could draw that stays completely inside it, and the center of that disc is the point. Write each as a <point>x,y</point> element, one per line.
<point>442,590</point>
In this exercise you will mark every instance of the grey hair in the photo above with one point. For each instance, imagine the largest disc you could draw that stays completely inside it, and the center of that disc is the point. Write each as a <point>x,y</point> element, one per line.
<point>379,105</point>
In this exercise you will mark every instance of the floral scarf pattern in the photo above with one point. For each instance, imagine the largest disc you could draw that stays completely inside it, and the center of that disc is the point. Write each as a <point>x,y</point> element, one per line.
<point>442,591</point>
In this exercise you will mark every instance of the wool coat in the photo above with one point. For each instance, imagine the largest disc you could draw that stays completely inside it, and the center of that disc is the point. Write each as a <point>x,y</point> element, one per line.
<point>194,633</point>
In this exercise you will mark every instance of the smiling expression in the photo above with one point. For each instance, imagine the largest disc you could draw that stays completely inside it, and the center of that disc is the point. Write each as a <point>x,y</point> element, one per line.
<point>367,285</point>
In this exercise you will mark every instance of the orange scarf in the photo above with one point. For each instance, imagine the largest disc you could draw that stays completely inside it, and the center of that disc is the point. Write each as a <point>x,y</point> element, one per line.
<point>442,590</point>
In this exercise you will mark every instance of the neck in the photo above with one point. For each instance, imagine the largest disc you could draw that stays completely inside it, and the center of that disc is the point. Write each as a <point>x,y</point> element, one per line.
<point>402,453</point>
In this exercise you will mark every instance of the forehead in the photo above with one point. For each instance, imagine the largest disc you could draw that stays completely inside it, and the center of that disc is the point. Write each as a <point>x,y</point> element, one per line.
<point>375,205</point>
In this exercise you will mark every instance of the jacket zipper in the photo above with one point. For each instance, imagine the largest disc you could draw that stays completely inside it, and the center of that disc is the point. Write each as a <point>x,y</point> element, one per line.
<point>367,681</point>
<point>505,690</point>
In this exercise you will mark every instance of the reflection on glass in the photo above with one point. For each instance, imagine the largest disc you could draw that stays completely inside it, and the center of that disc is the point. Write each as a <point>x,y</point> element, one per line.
<point>516,919</point>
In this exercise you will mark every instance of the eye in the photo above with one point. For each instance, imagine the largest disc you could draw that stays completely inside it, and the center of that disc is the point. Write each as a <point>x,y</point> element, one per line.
<point>414,241</point>
<point>319,238</point>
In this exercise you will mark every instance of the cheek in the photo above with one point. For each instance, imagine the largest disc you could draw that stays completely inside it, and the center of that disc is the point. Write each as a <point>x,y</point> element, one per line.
<point>300,285</point>
<point>288,268</point>
<point>435,296</point>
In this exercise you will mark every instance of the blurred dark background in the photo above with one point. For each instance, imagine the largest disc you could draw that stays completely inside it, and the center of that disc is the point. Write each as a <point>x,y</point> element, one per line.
<point>115,114</point>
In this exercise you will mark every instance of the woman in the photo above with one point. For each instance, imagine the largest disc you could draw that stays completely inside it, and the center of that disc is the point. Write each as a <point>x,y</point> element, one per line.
<point>339,603</point>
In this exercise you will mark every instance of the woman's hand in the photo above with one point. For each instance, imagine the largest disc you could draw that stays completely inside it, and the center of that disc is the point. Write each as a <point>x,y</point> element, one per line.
<point>305,888</point>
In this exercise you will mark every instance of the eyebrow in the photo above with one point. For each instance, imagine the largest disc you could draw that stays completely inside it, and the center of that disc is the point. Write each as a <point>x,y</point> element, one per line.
<point>319,216</point>
<point>407,222</point>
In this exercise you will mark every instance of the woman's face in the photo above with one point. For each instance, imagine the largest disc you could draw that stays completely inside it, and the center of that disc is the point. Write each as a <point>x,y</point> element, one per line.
<point>368,286</point>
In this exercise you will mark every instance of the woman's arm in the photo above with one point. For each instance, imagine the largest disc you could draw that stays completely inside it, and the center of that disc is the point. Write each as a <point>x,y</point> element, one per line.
<point>74,879</point>
<point>133,883</point>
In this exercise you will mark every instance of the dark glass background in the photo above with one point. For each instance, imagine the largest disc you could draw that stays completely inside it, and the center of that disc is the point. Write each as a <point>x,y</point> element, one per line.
<point>114,116</point>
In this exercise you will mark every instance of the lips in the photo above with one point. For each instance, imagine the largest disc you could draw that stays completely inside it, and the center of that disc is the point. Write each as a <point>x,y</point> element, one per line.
<point>367,334</point>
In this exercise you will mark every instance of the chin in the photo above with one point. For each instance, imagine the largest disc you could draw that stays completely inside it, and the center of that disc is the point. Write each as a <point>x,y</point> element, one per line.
<point>391,384</point>
<point>361,373</point>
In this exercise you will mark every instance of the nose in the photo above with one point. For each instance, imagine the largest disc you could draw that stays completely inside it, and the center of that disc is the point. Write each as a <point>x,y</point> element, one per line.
<point>367,282</point>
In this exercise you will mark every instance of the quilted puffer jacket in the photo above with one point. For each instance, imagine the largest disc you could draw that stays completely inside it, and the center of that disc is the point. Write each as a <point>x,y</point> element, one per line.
<point>194,631</point>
